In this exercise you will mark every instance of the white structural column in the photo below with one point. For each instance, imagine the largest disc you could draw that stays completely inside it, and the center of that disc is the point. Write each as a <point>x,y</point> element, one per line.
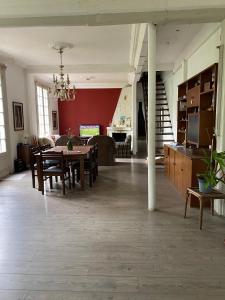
<point>151,116</point>
<point>134,115</point>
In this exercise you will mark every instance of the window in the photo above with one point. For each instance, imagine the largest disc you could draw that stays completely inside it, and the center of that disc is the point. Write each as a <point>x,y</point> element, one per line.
<point>2,123</point>
<point>43,111</point>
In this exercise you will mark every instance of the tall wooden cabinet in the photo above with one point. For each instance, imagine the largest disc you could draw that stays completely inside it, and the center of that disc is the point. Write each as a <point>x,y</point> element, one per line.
<point>196,108</point>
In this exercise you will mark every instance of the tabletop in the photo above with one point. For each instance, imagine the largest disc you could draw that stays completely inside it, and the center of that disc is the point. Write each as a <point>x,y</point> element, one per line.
<point>82,150</point>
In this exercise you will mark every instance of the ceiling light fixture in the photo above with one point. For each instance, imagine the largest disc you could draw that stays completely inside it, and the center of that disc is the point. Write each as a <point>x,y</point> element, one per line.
<point>61,86</point>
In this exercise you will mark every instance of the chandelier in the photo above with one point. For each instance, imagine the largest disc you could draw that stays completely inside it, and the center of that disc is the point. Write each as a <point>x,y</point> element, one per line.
<point>62,90</point>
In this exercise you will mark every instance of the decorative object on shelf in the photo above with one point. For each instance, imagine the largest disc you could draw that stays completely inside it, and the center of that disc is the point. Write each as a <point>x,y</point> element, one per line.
<point>128,122</point>
<point>122,120</point>
<point>18,119</point>
<point>214,173</point>
<point>69,142</point>
<point>207,86</point>
<point>185,138</point>
<point>62,89</point>
<point>54,120</point>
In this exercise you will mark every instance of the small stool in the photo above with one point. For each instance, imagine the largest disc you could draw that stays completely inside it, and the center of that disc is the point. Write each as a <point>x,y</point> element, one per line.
<point>215,194</point>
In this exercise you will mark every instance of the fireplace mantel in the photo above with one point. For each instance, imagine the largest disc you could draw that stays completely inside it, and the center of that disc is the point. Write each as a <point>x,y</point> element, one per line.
<point>115,129</point>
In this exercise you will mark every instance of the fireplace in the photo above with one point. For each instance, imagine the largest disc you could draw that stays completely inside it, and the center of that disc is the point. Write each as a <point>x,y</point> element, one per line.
<point>119,136</point>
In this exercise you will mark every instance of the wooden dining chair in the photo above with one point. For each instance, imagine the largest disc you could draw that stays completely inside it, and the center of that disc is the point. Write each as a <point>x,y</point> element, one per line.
<point>61,169</point>
<point>89,168</point>
<point>33,163</point>
<point>96,159</point>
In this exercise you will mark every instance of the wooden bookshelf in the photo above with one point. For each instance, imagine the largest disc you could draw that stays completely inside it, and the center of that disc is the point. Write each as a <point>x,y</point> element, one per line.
<point>196,107</point>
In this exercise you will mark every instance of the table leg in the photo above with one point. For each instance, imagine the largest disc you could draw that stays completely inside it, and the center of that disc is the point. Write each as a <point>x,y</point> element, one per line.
<point>201,213</point>
<point>82,173</point>
<point>39,173</point>
<point>212,206</point>
<point>186,204</point>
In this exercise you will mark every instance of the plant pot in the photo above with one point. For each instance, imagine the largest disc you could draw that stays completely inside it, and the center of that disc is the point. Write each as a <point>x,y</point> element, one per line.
<point>69,145</point>
<point>202,186</point>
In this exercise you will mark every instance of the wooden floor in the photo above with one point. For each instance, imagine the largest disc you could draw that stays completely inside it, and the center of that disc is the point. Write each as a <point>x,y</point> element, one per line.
<point>104,244</point>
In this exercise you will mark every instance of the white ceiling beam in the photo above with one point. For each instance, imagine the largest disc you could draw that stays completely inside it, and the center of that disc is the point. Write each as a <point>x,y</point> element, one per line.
<point>179,16</point>
<point>32,8</point>
<point>96,85</point>
<point>79,69</point>
<point>159,67</point>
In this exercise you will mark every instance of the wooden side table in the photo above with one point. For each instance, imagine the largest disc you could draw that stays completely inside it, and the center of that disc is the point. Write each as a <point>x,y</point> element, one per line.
<point>215,194</point>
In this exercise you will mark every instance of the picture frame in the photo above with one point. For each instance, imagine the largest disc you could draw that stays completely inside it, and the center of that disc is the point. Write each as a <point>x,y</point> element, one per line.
<point>18,117</point>
<point>54,120</point>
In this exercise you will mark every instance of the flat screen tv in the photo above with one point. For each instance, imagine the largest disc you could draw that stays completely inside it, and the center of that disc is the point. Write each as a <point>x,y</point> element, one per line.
<point>193,125</point>
<point>89,130</point>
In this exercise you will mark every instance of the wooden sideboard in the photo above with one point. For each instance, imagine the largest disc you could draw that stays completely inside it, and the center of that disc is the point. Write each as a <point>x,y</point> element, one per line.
<point>23,152</point>
<point>181,167</point>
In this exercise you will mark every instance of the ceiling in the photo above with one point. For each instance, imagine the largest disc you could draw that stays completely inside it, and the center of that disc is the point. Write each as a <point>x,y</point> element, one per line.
<point>92,45</point>
<point>108,12</point>
<point>100,54</point>
<point>172,39</point>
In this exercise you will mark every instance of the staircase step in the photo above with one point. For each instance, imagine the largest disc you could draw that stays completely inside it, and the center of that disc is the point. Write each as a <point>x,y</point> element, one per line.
<point>159,141</point>
<point>163,127</point>
<point>158,104</point>
<point>161,98</point>
<point>163,121</point>
<point>165,133</point>
<point>167,115</point>
<point>161,109</point>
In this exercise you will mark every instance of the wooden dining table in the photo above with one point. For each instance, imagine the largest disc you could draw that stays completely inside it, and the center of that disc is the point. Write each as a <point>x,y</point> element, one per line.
<point>78,153</point>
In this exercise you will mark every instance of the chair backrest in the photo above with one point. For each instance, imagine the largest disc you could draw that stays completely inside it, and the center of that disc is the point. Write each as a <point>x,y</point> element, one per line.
<point>106,149</point>
<point>62,141</point>
<point>91,155</point>
<point>96,152</point>
<point>52,156</point>
<point>77,141</point>
<point>33,151</point>
<point>45,147</point>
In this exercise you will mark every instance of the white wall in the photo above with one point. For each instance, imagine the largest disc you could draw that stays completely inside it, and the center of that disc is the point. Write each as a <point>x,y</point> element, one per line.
<point>20,87</point>
<point>124,106</point>
<point>32,80</point>
<point>15,91</point>
<point>199,54</point>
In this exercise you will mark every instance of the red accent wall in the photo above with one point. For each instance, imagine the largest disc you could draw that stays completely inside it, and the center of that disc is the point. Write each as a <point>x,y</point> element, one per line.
<point>92,106</point>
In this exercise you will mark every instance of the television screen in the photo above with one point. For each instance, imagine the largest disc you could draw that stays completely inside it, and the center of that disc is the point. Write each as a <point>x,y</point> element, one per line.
<point>89,130</point>
<point>193,125</point>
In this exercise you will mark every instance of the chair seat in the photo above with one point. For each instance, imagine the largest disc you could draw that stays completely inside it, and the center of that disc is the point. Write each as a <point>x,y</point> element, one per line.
<point>51,162</point>
<point>54,169</point>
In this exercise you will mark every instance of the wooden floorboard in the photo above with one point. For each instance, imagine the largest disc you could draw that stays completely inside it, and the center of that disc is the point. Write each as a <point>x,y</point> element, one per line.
<point>103,243</point>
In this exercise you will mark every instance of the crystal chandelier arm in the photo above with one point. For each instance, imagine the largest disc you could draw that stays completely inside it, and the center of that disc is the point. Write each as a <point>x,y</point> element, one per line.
<point>62,88</point>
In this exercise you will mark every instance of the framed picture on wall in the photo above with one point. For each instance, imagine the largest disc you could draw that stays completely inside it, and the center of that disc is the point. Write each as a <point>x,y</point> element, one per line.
<point>18,118</point>
<point>54,120</point>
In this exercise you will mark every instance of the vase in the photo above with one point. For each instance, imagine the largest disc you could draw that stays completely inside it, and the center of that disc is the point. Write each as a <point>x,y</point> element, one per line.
<point>69,145</point>
<point>202,186</point>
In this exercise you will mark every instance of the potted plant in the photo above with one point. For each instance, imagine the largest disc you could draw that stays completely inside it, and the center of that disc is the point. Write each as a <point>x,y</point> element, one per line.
<point>215,167</point>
